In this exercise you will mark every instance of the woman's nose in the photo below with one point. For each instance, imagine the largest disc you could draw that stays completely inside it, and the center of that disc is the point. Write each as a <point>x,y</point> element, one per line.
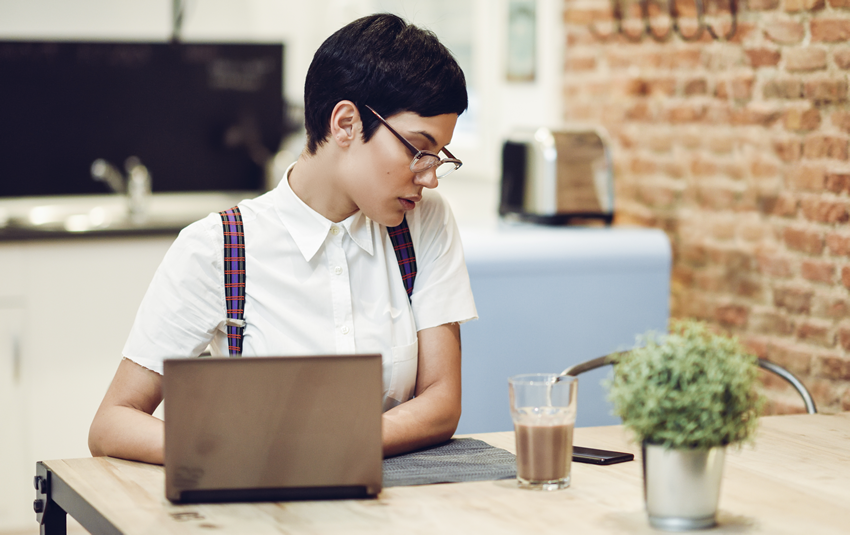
<point>427,178</point>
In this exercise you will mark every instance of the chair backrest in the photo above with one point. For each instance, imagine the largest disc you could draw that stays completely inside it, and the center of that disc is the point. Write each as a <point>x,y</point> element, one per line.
<point>598,362</point>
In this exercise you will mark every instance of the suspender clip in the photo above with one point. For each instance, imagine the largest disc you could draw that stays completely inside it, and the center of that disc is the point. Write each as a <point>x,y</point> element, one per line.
<point>233,322</point>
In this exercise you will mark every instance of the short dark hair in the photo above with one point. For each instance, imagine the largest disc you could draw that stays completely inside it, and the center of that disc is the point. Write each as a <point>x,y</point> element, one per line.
<point>382,61</point>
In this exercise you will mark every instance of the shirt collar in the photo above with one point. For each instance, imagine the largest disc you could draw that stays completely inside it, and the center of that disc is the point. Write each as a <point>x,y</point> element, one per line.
<point>309,229</point>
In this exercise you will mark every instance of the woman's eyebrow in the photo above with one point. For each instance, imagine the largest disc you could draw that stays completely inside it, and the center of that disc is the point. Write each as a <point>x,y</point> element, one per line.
<point>427,136</point>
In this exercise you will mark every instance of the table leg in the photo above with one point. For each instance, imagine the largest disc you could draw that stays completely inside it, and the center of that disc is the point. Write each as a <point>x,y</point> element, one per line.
<point>51,517</point>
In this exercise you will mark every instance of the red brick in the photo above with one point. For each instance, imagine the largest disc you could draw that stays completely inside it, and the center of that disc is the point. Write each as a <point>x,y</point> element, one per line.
<point>657,196</point>
<point>783,205</point>
<point>840,4</point>
<point>752,115</point>
<point>673,169</point>
<point>807,241</point>
<point>774,265</point>
<point>825,146</point>
<point>716,198</point>
<point>753,231</point>
<point>770,322</point>
<point>837,181</point>
<point>841,120</point>
<point>794,6</point>
<point>584,16</point>
<point>808,178</point>
<point>661,87</point>
<point>763,57</point>
<point>739,88</point>
<point>733,259</point>
<point>824,211</point>
<point>845,276</point>
<point>722,143</point>
<point>839,244</point>
<point>701,166</point>
<point>826,91</point>
<point>577,62</point>
<point>693,255</point>
<point>639,111</point>
<point>802,119</point>
<point>784,32</point>
<point>762,5</point>
<point>642,166</point>
<point>832,367</point>
<point>685,113</point>
<point>825,306</point>
<point>818,271</point>
<point>794,359</point>
<point>785,89</point>
<point>830,30</point>
<point>697,86</point>
<point>842,58</point>
<point>805,59</point>
<point>688,58</point>
<point>788,149</point>
<point>660,142</point>
<point>763,168</point>
<point>844,337</point>
<point>816,332</point>
<point>732,315</point>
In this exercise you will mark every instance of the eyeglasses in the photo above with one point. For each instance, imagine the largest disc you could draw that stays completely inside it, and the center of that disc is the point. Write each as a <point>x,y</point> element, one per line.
<point>422,159</point>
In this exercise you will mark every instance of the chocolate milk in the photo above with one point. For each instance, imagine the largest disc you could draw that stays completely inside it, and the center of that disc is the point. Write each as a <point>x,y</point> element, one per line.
<point>543,452</point>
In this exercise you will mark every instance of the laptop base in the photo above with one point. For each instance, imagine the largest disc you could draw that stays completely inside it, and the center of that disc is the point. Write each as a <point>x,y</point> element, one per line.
<point>274,494</point>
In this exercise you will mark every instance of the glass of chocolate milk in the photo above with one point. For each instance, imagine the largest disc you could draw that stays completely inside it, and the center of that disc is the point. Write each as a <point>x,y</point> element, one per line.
<point>543,408</point>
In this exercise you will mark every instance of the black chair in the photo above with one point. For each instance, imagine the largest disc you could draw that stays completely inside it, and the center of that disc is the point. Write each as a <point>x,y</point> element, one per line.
<point>598,362</point>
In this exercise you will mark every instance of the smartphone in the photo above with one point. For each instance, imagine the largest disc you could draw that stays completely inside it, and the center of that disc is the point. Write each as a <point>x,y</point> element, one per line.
<point>593,456</point>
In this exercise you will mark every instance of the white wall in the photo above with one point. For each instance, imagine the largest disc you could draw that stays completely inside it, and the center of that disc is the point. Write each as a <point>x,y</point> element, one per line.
<point>496,106</point>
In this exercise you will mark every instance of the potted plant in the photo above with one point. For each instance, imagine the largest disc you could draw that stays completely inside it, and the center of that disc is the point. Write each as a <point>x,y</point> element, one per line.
<point>686,395</point>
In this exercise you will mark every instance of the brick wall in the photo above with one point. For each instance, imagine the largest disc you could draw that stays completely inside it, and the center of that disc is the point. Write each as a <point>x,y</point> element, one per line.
<point>739,151</point>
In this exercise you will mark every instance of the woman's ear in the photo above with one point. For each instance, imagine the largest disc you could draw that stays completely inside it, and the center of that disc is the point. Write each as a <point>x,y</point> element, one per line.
<point>345,123</point>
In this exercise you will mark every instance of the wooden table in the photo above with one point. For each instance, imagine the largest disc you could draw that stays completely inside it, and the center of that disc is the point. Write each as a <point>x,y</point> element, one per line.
<point>794,479</point>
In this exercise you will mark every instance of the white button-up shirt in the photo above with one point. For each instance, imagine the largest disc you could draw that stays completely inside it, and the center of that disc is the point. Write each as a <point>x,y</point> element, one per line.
<point>312,287</point>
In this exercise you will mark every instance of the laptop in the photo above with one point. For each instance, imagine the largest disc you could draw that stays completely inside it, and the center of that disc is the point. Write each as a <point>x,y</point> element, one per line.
<point>272,428</point>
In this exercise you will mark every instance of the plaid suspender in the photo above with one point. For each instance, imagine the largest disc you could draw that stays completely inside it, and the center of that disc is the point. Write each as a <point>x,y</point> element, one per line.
<point>234,278</point>
<point>404,253</point>
<point>234,271</point>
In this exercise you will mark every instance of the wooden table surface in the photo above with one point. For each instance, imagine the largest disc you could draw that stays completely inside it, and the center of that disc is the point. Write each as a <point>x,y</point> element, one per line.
<point>795,478</point>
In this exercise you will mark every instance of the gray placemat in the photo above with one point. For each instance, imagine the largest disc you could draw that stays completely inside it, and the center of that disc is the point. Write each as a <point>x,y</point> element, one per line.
<point>455,461</point>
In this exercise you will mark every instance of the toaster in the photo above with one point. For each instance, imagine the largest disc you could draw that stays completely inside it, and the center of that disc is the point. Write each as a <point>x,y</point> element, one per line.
<point>557,177</point>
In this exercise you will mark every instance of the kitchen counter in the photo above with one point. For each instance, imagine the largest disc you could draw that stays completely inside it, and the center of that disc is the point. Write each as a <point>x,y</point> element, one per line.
<point>76,216</point>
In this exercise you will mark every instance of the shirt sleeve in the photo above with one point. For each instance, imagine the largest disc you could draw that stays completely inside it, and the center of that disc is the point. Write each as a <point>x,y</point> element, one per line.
<point>441,292</point>
<point>184,304</point>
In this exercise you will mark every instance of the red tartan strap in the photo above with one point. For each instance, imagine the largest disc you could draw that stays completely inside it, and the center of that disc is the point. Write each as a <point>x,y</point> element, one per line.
<point>234,278</point>
<point>404,254</point>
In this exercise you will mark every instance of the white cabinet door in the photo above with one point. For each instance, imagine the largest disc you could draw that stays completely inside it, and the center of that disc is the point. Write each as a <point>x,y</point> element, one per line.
<point>66,308</point>
<point>82,297</point>
<point>16,470</point>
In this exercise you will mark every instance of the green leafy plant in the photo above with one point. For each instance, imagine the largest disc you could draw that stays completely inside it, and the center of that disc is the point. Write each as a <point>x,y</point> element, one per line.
<point>690,388</point>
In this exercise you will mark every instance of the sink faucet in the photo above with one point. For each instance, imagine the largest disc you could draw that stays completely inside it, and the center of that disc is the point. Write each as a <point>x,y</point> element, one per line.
<point>137,185</point>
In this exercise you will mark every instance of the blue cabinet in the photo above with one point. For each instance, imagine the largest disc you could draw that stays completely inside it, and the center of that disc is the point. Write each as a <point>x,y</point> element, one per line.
<point>550,297</point>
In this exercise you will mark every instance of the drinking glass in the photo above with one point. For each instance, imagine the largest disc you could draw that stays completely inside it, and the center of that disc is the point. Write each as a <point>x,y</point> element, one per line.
<point>543,409</point>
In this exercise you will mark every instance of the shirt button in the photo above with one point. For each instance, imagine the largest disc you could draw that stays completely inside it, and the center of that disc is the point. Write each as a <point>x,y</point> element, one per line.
<point>338,270</point>
<point>334,230</point>
<point>344,329</point>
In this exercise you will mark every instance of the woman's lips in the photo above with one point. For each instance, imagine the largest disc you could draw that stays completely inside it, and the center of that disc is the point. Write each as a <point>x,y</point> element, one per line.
<point>408,204</point>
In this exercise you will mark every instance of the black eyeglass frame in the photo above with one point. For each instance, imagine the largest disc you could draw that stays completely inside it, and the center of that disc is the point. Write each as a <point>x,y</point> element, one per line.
<point>418,154</point>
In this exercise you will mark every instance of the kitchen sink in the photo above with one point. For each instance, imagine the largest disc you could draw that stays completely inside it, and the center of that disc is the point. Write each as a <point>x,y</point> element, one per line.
<point>34,217</point>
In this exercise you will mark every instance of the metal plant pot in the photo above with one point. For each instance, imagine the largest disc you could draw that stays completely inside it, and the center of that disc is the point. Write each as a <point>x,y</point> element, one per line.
<point>682,487</point>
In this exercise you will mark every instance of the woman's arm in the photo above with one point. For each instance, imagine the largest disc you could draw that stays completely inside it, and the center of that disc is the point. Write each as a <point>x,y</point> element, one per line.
<point>432,416</point>
<point>123,425</point>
